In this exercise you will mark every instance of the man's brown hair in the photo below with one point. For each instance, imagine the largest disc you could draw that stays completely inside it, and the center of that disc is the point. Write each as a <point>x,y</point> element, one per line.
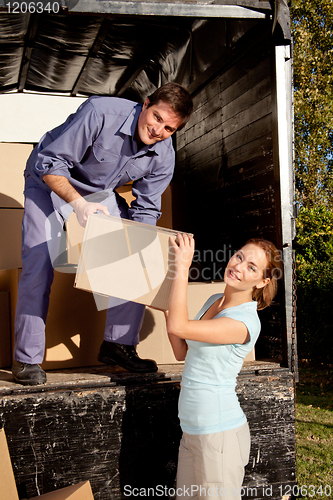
<point>178,99</point>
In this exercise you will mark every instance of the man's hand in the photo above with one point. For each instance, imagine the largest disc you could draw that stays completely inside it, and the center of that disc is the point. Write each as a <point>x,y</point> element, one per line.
<point>63,188</point>
<point>83,209</point>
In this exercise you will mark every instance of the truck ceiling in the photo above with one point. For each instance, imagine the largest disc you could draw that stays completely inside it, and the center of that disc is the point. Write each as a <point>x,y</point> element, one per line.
<point>122,48</point>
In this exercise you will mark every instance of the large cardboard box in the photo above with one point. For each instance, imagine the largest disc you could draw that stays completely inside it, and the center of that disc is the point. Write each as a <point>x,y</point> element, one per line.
<point>74,238</point>
<point>75,232</point>
<point>7,480</point>
<point>127,259</point>
<point>13,158</point>
<point>10,230</point>
<point>74,326</point>
<point>166,203</point>
<point>8,286</point>
<point>5,337</point>
<point>8,491</point>
<point>80,491</point>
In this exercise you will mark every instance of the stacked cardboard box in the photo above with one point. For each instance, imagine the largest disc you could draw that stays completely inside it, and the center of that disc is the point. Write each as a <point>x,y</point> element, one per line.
<point>13,159</point>
<point>72,337</point>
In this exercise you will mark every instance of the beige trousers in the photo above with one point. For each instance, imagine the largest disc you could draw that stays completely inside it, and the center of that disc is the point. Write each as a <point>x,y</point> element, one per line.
<point>211,466</point>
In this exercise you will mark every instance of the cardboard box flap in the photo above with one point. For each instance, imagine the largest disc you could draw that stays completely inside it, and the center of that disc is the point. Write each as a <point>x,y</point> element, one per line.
<point>126,259</point>
<point>80,491</point>
<point>8,490</point>
<point>7,480</point>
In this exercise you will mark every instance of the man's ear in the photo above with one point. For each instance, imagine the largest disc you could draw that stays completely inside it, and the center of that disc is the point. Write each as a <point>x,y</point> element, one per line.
<point>146,103</point>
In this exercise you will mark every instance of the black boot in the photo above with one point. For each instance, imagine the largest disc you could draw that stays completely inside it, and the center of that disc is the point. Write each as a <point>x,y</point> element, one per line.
<point>26,374</point>
<point>126,356</point>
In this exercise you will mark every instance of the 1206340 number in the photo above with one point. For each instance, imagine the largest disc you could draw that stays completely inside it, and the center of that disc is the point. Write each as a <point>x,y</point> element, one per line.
<point>306,491</point>
<point>32,7</point>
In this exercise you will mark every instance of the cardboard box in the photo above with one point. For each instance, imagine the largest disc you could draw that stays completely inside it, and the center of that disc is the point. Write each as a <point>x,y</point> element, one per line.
<point>13,158</point>
<point>80,491</point>
<point>126,259</point>
<point>7,480</point>
<point>8,297</point>
<point>75,232</point>
<point>74,238</point>
<point>11,238</point>
<point>8,284</point>
<point>74,327</point>
<point>166,203</point>
<point>5,337</point>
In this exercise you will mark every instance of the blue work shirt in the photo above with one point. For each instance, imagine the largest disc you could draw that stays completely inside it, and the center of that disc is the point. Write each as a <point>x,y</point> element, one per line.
<point>95,150</point>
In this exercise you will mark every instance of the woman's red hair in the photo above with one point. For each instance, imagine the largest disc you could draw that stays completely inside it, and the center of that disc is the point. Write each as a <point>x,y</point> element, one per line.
<point>264,296</point>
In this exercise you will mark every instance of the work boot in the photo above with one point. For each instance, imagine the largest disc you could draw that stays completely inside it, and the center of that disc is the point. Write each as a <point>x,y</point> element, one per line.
<point>26,374</point>
<point>126,356</point>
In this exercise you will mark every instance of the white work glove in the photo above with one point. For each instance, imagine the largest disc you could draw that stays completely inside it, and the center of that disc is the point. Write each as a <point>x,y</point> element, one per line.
<point>83,209</point>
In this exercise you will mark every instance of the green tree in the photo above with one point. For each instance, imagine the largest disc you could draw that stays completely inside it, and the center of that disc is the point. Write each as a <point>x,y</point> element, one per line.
<point>314,242</point>
<point>312,27</point>
<point>314,264</point>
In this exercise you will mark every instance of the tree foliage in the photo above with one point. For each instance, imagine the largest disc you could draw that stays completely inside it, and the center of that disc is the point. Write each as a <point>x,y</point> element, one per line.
<point>312,27</point>
<point>314,263</point>
<point>314,241</point>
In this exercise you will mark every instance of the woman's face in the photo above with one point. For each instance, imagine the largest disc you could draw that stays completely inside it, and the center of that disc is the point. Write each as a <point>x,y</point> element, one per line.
<point>245,269</point>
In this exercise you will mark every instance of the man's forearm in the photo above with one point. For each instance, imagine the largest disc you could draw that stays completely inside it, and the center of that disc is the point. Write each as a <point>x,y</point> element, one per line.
<point>62,187</point>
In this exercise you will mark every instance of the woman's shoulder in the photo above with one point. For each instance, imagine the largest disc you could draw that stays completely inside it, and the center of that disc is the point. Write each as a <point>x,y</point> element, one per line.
<point>247,308</point>
<point>210,301</point>
<point>246,313</point>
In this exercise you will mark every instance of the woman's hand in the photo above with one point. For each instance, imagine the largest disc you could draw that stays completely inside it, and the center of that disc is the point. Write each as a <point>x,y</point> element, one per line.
<point>183,248</point>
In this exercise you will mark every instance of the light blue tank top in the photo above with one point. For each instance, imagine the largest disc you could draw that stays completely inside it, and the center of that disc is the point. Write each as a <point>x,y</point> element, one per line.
<point>208,401</point>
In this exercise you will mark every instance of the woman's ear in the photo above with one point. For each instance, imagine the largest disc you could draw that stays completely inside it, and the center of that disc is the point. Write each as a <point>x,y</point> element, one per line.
<point>263,283</point>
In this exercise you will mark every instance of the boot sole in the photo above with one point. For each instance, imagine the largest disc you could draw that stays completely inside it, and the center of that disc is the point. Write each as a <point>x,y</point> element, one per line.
<point>107,361</point>
<point>29,382</point>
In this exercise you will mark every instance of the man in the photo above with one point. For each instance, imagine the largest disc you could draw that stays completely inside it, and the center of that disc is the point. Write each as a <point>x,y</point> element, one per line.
<point>77,166</point>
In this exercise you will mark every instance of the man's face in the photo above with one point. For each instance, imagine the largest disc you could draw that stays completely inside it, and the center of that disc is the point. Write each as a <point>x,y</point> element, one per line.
<point>156,123</point>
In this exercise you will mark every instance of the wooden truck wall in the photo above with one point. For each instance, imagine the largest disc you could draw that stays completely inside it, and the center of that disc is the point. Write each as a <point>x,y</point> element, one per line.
<point>226,170</point>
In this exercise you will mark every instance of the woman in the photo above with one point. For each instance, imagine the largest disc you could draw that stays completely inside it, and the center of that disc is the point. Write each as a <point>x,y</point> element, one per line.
<point>215,445</point>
